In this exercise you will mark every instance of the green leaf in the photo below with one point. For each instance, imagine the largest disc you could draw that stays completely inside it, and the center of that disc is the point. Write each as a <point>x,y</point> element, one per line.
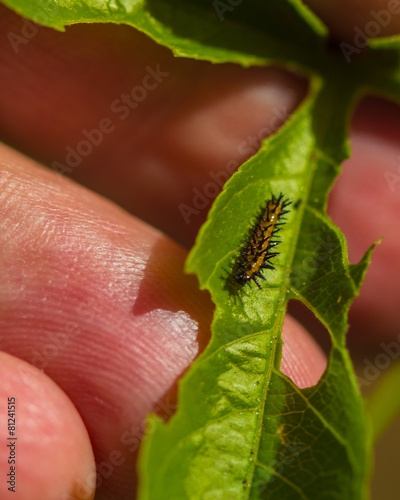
<point>247,34</point>
<point>239,416</point>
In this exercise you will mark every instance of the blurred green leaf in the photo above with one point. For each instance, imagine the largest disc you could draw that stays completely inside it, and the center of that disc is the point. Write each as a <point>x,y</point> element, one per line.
<point>383,403</point>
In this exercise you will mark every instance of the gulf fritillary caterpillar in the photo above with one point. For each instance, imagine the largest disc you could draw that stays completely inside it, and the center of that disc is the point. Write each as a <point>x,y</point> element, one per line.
<point>256,252</point>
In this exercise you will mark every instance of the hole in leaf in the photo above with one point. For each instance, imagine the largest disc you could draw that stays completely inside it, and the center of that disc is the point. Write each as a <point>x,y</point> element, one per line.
<point>306,346</point>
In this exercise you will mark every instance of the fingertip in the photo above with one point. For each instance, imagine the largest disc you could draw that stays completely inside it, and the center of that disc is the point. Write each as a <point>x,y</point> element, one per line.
<point>45,451</point>
<point>104,308</point>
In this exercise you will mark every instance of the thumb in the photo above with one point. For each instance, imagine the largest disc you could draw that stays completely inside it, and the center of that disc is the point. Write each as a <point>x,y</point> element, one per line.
<point>45,452</point>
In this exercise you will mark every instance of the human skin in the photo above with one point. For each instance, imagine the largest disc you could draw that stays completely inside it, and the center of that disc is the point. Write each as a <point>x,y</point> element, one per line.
<point>93,295</point>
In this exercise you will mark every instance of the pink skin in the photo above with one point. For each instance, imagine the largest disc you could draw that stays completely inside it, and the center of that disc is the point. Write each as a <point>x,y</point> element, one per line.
<point>93,298</point>
<point>374,172</point>
<point>78,267</point>
<point>52,441</point>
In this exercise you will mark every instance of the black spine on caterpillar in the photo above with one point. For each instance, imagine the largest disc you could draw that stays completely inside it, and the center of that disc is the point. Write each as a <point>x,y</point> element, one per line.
<point>255,253</point>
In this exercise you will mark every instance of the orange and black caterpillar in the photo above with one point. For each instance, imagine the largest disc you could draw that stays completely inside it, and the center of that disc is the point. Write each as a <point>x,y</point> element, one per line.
<point>256,252</point>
